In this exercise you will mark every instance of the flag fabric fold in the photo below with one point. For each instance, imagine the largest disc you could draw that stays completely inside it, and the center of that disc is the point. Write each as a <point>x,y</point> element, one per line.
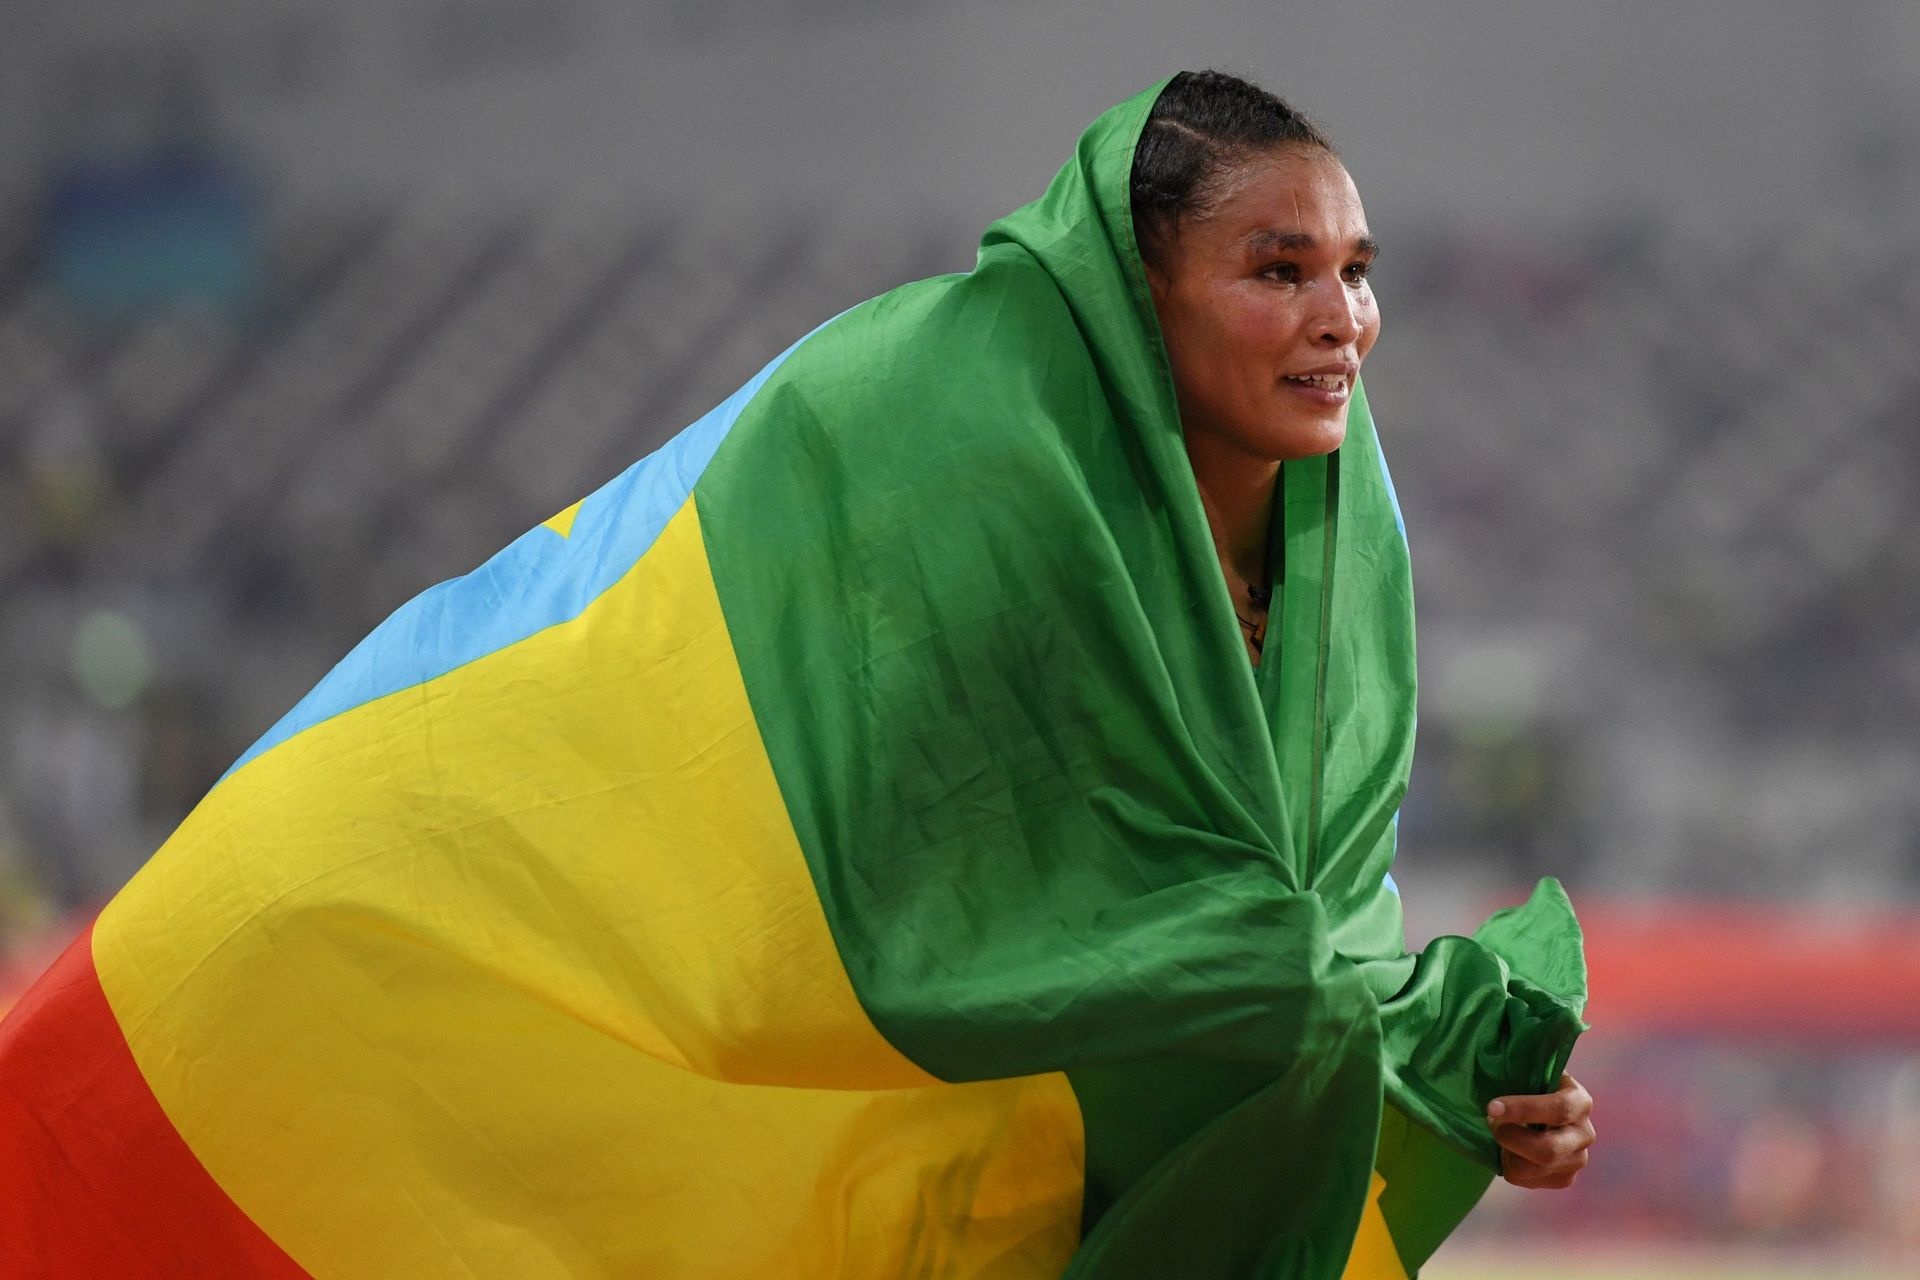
<point>852,842</point>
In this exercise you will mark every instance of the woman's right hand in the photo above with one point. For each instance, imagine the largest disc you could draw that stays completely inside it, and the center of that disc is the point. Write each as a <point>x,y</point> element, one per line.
<point>1545,1138</point>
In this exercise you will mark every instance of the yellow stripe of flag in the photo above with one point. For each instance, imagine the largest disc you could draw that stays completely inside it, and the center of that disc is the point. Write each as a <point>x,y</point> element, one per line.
<point>565,1000</point>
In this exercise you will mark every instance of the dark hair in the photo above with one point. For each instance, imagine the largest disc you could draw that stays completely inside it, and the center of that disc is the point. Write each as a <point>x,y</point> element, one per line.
<point>1204,124</point>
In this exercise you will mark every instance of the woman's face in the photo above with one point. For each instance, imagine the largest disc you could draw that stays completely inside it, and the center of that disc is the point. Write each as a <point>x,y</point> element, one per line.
<point>1266,309</point>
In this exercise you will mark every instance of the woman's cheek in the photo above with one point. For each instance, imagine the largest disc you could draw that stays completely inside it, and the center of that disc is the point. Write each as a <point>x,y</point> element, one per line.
<point>1260,328</point>
<point>1370,322</point>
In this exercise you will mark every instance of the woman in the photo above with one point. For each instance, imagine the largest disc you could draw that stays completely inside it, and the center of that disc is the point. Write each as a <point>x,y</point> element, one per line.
<point>1257,253</point>
<point>855,841</point>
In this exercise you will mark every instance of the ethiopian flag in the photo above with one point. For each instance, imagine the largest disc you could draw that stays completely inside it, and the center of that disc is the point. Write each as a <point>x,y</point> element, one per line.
<point>850,843</point>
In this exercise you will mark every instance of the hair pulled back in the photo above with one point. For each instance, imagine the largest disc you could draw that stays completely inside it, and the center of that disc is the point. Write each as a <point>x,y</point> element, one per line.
<point>1204,124</point>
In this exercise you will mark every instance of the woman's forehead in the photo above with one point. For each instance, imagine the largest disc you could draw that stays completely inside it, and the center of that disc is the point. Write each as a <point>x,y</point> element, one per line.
<point>1294,200</point>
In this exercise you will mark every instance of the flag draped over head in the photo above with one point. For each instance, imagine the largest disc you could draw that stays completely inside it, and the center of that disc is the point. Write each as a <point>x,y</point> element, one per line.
<point>852,842</point>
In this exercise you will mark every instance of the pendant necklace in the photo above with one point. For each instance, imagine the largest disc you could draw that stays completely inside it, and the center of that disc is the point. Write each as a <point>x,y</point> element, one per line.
<point>1259,596</point>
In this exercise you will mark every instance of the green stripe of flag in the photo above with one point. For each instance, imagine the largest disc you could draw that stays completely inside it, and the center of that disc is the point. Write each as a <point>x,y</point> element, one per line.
<point>1056,822</point>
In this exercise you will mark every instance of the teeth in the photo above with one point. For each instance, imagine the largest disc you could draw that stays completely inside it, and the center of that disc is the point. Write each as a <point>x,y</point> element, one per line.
<point>1325,381</point>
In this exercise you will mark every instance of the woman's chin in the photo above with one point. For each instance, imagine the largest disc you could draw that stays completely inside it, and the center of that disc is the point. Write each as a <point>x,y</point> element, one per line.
<point>1311,438</point>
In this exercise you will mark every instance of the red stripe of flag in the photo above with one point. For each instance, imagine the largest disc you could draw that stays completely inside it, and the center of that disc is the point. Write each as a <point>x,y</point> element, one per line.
<point>94,1179</point>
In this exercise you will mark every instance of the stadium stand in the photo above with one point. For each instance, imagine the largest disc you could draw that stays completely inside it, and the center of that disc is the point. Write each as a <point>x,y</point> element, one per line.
<point>1664,646</point>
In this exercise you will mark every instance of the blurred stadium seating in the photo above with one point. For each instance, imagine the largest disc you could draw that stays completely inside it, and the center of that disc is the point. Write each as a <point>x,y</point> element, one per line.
<point>1665,643</point>
<point>1661,494</point>
<point>1664,573</point>
<point>1659,465</point>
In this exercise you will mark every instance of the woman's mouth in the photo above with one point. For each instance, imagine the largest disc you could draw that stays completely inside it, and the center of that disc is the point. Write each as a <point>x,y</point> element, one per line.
<point>1321,388</point>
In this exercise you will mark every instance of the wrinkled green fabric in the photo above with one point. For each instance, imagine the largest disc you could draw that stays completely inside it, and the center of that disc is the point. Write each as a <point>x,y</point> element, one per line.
<point>1056,820</point>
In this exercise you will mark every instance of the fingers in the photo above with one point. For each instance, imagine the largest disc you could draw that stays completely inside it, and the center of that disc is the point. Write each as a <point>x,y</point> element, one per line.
<point>1549,1147</point>
<point>1569,1104</point>
<point>1533,1177</point>
<point>1544,1138</point>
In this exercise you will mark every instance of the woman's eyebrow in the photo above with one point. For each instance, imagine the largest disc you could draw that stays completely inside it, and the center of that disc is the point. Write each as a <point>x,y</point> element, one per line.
<point>1268,240</point>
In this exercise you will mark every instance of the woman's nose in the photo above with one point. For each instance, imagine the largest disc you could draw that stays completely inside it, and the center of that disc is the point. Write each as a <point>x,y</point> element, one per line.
<point>1338,323</point>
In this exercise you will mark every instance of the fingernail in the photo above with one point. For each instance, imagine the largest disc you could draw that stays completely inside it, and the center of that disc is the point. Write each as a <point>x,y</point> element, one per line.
<point>1496,1108</point>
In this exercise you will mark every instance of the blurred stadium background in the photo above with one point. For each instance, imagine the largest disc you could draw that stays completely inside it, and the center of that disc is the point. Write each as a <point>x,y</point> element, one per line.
<point>305,307</point>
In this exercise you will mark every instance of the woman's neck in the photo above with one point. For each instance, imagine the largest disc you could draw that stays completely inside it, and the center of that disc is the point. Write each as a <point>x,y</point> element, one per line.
<point>1237,494</point>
